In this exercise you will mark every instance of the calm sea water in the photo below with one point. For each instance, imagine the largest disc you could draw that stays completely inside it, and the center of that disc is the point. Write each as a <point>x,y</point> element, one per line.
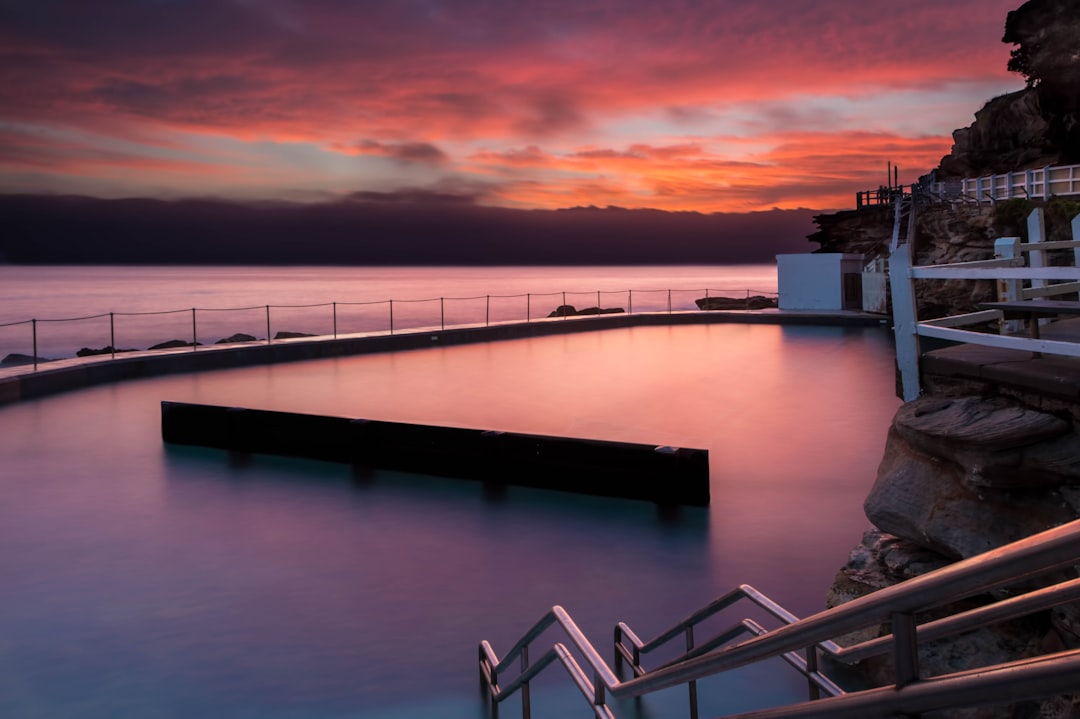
<point>145,580</point>
<point>153,304</point>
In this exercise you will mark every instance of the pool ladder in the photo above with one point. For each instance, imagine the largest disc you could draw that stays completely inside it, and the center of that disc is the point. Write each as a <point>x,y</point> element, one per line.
<point>803,642</point>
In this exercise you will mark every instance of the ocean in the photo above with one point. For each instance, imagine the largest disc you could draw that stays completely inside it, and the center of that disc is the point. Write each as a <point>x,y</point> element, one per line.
<point>146,580</point>
<point>149,305</point>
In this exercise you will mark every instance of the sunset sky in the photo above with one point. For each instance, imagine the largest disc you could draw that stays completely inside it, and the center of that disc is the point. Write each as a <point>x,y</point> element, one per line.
<point>721,106</point>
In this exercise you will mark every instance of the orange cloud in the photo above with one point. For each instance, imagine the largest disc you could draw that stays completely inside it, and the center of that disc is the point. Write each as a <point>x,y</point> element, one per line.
<point>709,106</point>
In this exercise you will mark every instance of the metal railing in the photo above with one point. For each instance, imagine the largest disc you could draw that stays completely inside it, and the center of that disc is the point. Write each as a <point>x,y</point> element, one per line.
<point>334,319</point>
<point>1011,566</point>
<point>1016,280</point>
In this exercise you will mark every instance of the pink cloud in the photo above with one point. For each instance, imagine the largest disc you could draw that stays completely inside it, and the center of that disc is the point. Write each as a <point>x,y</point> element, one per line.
<point>429,84</point>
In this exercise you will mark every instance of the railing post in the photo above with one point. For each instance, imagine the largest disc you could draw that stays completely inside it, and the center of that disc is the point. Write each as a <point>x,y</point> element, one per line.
<point>564,305</point>
<point>112,335</point>
<point>905,321</point>
<point>526,708</point>
<point>442,314</point>
<point>692,685</point>
<point>33,335</point>
<point>528,307</point>
<point>598,690</point>
<point>1007,248</point>
<point>630,302</point>
<point>598,299</point>
<point>1076,237</point>
<point>487,312</point>
<point>811,669</point>
<point>905,649</point>
<point>268,324</point>
<point>334,312</point>
<point>194,331</point>
<point>669,301</point>
<point>391,317</point>
<point>1036,227</point>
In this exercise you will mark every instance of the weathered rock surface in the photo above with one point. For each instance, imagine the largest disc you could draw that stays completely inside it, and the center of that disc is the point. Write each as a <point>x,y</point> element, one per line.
<point>172,344</point>
<point>996,443</point>
<point>571,311</point>
<point>961,476</point>
<point>882,560</point>
<point>107,350</point>
<point>292,335</point>
<point>238,337</point>
<point>16,358</point>
<point>754,302</point>
<point>1010,132</point>
<point>964,476</point>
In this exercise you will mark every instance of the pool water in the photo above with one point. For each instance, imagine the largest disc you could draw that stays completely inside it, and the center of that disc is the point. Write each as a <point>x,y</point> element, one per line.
<point>144,580</point>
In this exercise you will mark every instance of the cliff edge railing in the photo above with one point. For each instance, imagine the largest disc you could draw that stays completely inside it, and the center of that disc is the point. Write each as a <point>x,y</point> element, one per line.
<point>1035,183</point>
<point>1023,289</point>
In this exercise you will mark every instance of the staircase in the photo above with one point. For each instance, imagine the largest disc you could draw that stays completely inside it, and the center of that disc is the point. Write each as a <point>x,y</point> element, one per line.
<point>903,220</point>
<point>803,642</point>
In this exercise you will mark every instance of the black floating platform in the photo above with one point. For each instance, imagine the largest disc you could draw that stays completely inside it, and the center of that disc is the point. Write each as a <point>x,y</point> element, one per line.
<point>665,475</point>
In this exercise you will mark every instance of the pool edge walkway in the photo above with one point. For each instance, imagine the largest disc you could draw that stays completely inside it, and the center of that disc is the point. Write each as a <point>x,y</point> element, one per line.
<point>55,376</point>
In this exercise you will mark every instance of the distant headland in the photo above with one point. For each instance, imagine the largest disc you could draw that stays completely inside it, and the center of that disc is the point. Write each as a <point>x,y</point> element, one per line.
<point>381,229</point>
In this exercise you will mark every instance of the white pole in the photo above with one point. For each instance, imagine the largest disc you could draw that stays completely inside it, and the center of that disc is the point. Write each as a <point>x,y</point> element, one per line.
<point>905,320</point>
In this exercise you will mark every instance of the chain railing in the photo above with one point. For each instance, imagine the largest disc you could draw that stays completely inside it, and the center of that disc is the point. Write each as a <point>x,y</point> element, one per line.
<point>115,333</point>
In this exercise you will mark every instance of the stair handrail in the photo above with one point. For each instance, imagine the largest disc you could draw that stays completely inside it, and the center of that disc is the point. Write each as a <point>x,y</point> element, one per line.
<point>804,665</point>
<point>1028,558</point>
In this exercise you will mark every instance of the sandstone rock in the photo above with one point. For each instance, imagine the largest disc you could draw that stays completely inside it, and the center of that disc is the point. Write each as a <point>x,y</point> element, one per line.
<point>563,311</point>
<point>238,337</point>
<point>15,359</point>
<point>754,302</point>
<point>107,350</point>
<point>882,560</point>
<point>997,443</point>
<point>171,344</point>
<point>291,335</point>
<point>926,499</point>
<point>879,561</point>
<point>601,311</point>
<point>571,311</point>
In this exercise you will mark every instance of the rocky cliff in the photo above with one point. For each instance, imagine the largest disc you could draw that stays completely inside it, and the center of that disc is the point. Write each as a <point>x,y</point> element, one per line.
<point>963,474</point>
<point>1039,125</point>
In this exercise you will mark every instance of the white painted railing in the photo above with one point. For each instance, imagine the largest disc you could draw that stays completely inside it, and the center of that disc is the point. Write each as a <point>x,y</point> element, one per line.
<point>1015,281</point>
<point>1042,182</point>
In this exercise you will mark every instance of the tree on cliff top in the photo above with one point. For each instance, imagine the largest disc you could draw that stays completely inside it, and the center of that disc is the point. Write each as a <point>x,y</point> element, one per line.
<point>1047,33</point>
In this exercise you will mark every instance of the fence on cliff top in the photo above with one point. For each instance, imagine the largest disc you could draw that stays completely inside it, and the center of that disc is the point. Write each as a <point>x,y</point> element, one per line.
<point>26,342</point>
<point>1035,183</point>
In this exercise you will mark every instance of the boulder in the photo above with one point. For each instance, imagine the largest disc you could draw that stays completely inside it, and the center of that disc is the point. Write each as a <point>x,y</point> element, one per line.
<point>238,337</point>
<point>995,442</point>
<point>571,311</point>
<point>925,499</point>
<point>172,344</point>
<point>754,302</point>
<point>882,560</point>
<point>16,359</point>
<point>291,335</point>
<point>107,350</point>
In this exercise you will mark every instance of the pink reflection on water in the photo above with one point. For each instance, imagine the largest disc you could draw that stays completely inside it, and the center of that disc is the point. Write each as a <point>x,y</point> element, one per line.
<point>161,574</point>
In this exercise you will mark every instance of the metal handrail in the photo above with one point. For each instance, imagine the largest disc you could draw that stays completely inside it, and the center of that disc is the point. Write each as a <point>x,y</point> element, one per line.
<point>1025,559</point>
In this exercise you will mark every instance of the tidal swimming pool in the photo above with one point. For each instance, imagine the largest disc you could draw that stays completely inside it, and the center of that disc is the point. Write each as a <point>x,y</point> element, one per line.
<point>145,580</point>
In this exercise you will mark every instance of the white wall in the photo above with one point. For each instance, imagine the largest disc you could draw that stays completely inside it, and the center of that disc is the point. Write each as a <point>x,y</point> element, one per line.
<point>814,282</point>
